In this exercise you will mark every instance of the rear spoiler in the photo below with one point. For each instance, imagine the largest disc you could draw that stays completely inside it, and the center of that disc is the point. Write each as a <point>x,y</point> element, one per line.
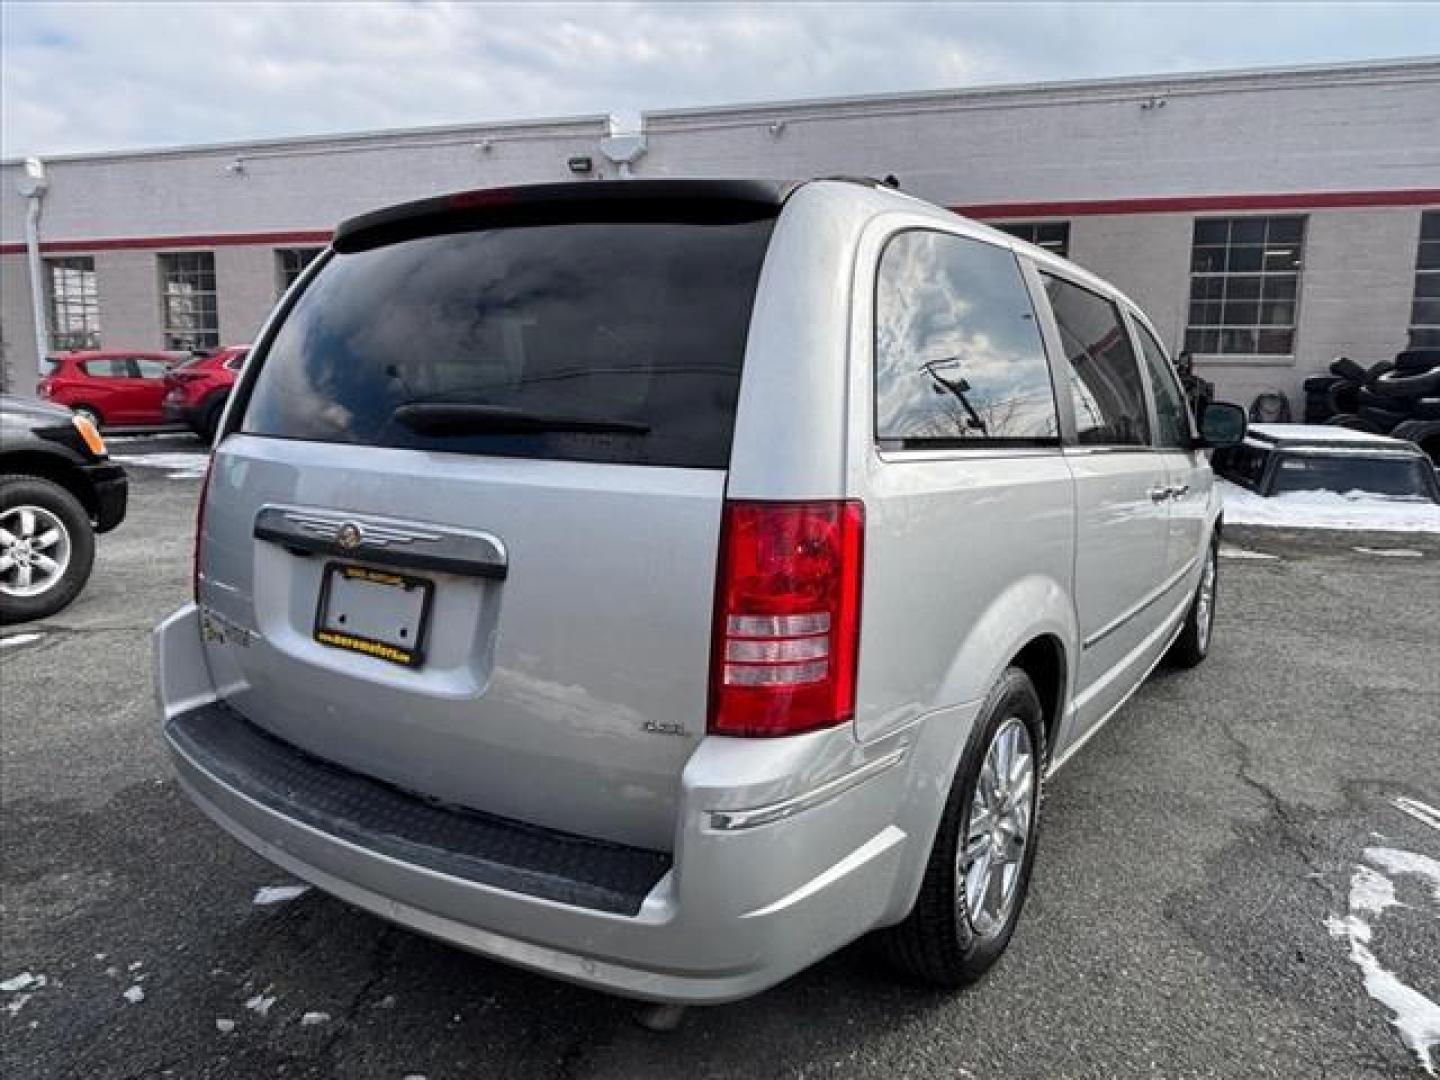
<point>585,200</point>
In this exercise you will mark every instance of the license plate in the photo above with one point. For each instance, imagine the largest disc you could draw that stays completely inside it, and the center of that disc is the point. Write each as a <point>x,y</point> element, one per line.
<point>374,612</point>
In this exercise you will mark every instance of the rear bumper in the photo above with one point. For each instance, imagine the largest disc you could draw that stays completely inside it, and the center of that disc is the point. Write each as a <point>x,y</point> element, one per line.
<point>746,902</point>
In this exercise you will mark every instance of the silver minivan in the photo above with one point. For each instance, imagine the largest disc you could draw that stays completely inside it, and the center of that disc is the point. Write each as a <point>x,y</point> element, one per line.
<point>660,584</point>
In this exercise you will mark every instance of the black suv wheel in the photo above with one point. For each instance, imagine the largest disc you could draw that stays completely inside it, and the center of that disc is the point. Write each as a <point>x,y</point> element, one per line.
<point>46,548</point>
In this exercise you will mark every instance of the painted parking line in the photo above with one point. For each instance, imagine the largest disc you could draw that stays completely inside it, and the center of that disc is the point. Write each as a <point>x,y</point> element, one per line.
<point>1230,551</point>
<point>1415,1017</point>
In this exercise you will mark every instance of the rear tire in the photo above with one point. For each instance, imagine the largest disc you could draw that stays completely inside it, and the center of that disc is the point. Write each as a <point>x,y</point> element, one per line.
<point>1384,419</point>
<point>1193,644</point>
<point>1348,369</point>
<point>46,549</point>
<point>1422,384</point>
<point>1417,361</point>
<point>1344,397</point>
<point>952,936</point>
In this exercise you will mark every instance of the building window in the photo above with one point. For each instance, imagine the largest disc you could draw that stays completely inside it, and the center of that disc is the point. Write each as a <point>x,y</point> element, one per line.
<point>187,291</point>
<point>1425,310</point>
<point>291,262</point>
<point>1053,236</point>
<point>1244,284</point>
<point>74,303</point>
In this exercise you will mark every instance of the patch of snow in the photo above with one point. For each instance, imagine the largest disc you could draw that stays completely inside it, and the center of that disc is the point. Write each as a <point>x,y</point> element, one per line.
<point>134,995</point>
<point>1407,862</point>
<point>1354,511</point>
<point>18,639</point>
<point>136,965</point>
<point>278,894</point>
<point>310,1019</point>
<point>1322,433</point>
<point>1371,892</point>
<point>182,466</point>
<point>1415,1016</point>
<point>1421,812</point>
<point>16,1003</point>
<point>224,1025</point>
<point>1230,551</point>
<point>23,981</point>
<point>1390,553</point>
<point>260,1003</point>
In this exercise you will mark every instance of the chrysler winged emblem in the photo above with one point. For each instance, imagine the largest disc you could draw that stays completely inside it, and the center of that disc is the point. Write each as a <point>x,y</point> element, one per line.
<point>350,536</point>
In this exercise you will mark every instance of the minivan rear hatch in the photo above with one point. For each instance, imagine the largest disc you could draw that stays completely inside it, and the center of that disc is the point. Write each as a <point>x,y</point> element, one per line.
<point>465,522</point>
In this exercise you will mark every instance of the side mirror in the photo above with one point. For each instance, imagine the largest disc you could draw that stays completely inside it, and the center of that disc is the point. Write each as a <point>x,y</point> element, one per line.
<point>1222,425</point>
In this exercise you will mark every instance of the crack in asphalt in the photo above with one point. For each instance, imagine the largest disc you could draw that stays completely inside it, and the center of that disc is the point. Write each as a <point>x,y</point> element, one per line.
<point>387,943</point>
<point>1290,831</point>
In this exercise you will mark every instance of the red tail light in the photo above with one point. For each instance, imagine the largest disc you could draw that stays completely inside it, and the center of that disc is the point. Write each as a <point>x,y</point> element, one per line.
<point>43,388</point>
<point>787,617</point>
<point>200,528</point>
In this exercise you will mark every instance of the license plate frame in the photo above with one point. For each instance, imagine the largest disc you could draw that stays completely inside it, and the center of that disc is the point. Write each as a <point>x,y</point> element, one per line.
<point>398,652</point>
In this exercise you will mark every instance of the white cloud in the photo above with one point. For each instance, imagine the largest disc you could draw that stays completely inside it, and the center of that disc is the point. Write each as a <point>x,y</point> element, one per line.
<point>102,76</point>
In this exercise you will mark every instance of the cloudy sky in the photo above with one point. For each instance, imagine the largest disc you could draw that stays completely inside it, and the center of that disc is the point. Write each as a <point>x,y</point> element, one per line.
<point>78,77</point>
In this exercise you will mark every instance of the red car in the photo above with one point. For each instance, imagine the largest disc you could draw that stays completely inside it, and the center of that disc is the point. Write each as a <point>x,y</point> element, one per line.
<point>197,389</point>
<point>114,387</point>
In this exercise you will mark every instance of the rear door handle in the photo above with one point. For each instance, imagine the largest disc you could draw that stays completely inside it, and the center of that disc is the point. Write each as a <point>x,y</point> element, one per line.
<point>1179,491</point>
<point>1160,494</point>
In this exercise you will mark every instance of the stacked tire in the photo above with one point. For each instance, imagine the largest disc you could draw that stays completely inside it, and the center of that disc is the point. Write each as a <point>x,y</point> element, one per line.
<point>1399,398</point>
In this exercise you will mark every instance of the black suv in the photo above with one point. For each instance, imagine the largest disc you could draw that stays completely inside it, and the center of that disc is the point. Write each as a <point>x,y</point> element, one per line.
<point>57,489</point>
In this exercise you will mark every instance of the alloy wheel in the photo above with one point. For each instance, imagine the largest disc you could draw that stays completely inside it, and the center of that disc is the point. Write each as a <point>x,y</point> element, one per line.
<point>998,829</point>
<point>34,551</point>
<point>1205,602</point>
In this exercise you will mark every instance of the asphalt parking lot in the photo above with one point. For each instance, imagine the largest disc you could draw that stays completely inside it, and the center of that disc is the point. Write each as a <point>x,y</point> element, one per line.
<point>1189,915</point>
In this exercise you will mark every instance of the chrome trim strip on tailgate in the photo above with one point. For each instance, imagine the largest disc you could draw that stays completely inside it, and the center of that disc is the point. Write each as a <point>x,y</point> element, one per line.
<point>391,543</point>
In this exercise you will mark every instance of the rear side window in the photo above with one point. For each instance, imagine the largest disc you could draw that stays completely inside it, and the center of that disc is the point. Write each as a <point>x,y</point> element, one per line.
<point>1172,421</point>
<point>603,341</point>
<point>110,368</point>
<point>1105,384</point>
<point>958,355</point>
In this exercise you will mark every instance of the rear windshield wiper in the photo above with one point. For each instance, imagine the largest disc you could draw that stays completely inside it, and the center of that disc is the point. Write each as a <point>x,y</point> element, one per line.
<point>470,418</point>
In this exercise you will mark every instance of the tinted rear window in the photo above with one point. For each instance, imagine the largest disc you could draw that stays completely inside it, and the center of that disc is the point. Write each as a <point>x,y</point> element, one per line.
<point>642,323</point>
<point>1396,478</point>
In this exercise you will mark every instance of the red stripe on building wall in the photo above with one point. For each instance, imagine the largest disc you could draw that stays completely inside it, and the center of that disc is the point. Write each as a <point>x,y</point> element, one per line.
<point>1162,204</point>
<point>1171,204</point>
<point>151,243</point>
